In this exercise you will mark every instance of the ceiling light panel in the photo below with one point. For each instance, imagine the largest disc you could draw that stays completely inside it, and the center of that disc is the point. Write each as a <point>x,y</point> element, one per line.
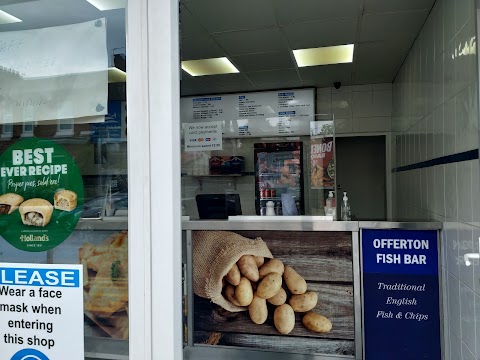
<point>215,66</point>
<point>341,54</point>
<point>108,4</point>
<point>6,18</point>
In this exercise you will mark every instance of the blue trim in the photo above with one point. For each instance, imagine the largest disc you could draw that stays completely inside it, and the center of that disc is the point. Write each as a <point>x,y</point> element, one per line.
<point>449,159</point>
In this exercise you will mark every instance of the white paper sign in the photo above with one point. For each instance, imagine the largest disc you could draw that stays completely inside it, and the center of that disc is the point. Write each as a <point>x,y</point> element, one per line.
<point>260,114</point>
<point>54,73</point>
<point>205,136</point>
<point>41,312</point>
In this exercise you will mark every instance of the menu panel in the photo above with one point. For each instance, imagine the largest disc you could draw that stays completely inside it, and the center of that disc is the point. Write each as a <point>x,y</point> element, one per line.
<point>273,113</point>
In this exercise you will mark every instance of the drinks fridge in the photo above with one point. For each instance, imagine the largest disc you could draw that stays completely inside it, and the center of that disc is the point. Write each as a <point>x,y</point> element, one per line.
<point>279,177</point>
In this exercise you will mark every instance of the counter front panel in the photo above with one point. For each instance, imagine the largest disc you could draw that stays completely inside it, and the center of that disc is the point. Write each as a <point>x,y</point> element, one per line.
<point>323,259</point>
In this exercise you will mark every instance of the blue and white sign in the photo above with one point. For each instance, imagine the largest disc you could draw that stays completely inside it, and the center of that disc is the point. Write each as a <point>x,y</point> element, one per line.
<point>41,312</point>
<point>113,129</point>
<point>29,354</point>
<point>256,114</point>
<point>401,294</point>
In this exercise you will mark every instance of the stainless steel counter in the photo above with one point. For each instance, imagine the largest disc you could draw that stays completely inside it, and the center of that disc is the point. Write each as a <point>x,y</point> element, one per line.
<point>400,225</point>
<point>304,223</point>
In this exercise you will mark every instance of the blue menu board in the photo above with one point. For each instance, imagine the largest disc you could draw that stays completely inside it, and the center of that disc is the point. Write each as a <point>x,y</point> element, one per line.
<point>401,294</point>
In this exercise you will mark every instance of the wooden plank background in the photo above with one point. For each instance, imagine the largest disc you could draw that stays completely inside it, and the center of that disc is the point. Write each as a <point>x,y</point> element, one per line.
<point>324,259</point>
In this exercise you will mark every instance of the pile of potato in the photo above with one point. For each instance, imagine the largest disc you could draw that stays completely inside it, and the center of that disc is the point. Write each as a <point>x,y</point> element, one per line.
<point>252,282</point>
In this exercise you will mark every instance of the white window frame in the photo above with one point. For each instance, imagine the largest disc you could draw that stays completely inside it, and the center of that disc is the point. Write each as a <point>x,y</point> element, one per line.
<point>69,131</point>
<point>155,251</point>
<point>7,134</point>
<point>27,133</point>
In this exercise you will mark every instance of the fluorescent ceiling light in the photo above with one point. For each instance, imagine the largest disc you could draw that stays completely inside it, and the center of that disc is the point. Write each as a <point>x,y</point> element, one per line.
<point>108,4</point>
<point>329,55</point>
<point>6,18</point>
<point>116,75</point>
<point>214,66</point>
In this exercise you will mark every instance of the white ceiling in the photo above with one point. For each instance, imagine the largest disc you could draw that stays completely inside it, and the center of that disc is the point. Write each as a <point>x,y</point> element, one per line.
<point>258,36</point>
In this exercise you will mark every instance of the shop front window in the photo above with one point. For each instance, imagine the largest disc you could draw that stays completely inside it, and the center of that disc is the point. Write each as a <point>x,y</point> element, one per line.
<point>63,182</point>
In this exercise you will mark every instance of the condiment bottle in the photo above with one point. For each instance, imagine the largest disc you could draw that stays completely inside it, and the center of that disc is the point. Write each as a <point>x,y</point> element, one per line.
<point>270,208</point>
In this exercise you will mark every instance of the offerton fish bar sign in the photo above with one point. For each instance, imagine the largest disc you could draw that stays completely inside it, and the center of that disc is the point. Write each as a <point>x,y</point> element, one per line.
<point>42,194</point>
<point>41,311</point>
<point>401,244</point>
<point>401,294</point>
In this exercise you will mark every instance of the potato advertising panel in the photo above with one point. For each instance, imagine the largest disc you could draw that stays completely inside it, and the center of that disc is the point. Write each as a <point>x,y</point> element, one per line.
<point>292,291</point>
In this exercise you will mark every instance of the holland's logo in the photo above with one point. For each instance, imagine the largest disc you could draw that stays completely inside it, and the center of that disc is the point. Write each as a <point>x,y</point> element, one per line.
<point>29,354</point>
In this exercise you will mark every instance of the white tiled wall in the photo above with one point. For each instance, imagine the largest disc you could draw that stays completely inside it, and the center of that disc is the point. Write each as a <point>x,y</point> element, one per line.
<point>358,108</point>
<point>435,113</point>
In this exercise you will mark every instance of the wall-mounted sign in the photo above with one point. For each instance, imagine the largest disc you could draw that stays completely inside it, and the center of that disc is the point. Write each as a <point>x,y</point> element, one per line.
<point>41,315</point>
<point>42,194</point>
<point>54,73</point>
<point>258,114</point>
<point>401,295</point>
<point>205,136</point>
<point>113,129</point>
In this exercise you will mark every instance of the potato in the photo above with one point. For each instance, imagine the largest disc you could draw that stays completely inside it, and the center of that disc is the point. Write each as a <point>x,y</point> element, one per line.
<point>273,266</point>
<point>278,299</point>
<point>233,276</point>
<point>229,293</point>
<point>260,260</point>
<point>317,322</point>
<point>284,319</point>
<point>244,292</point>
<point>269,286</point>
<point>304,302</point>
<point>295,283</point>
<point>258,310</point>
<point>248,267</point>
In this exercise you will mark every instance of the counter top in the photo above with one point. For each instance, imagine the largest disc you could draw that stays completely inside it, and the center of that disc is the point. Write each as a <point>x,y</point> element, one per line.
<point>304,223</point>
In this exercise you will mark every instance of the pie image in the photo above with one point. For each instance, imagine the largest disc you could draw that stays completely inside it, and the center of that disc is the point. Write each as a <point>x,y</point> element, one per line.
<point>36,212</point>
<point>106,276</point>
<point>65,200</point>
<point>9,203</point>
<point>317,176</point>
<point>331,169</point>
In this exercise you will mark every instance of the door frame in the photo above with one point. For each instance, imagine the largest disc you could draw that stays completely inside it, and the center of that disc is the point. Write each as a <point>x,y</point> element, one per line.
<point>153,105</point>
<point>388,165</point>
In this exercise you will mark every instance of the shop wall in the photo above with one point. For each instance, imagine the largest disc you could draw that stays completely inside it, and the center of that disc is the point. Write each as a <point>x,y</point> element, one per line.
<point>435,115</point>
<point>358,108</point>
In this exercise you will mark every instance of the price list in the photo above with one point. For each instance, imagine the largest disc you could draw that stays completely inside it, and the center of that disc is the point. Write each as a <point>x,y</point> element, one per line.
<point>268,113</point>
<point>248,108</point>
<point>207,108</point>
